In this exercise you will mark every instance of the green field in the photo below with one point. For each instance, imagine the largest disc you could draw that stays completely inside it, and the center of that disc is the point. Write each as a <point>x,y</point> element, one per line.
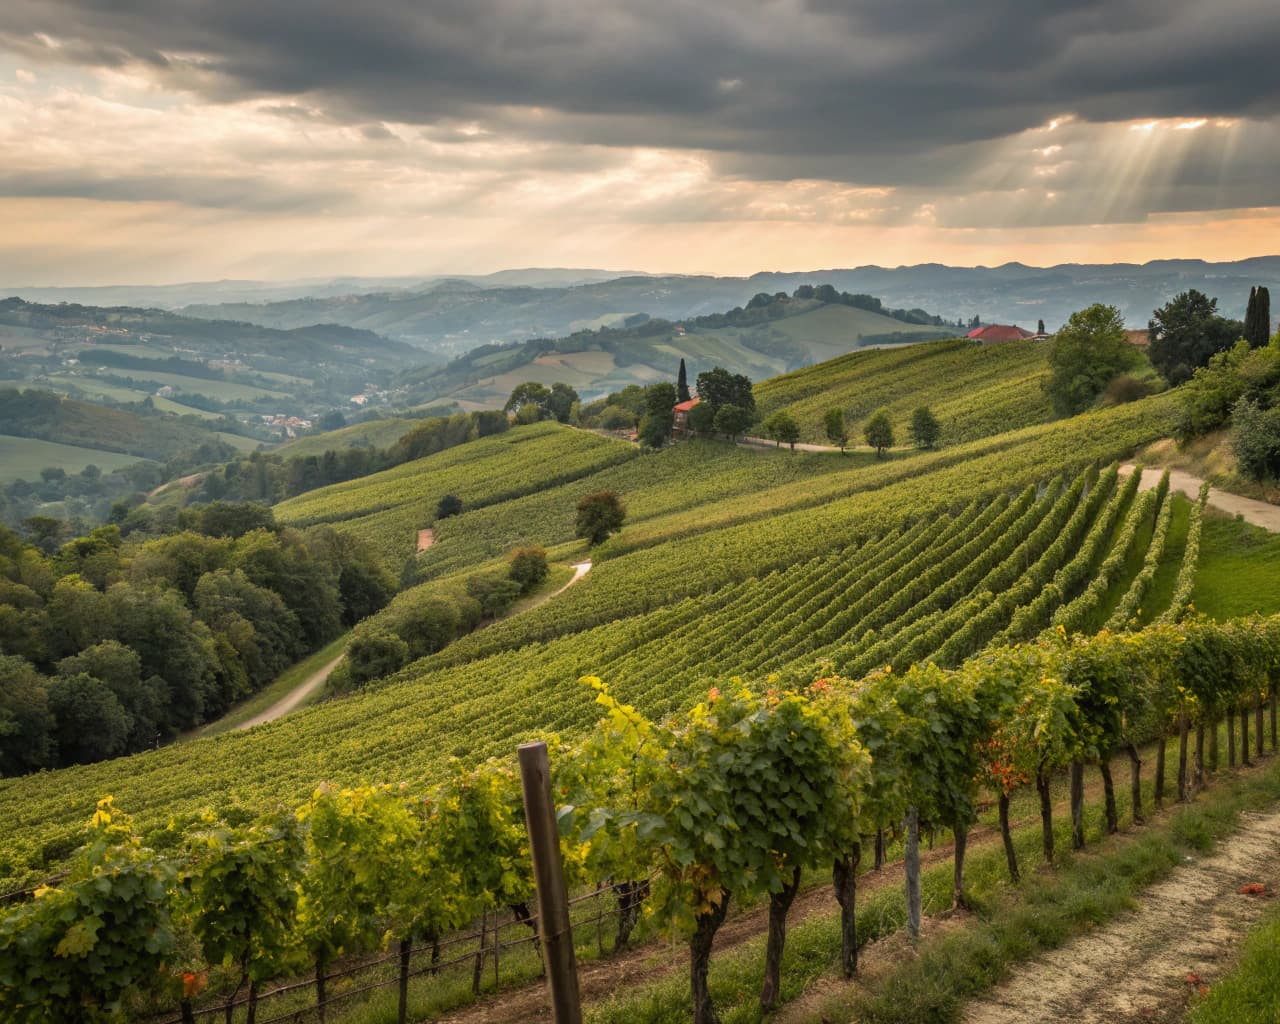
<point>238,441</point>
<point>387,509</point>
<point>22,458</point>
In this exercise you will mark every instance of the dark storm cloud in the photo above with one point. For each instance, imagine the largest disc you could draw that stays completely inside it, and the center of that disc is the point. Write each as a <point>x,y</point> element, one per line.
<point>929,97</point>
<point>767,77</point>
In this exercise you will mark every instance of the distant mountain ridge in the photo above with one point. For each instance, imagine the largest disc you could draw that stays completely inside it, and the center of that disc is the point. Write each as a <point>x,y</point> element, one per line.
<point>450,319</point>
<point>453,313</point>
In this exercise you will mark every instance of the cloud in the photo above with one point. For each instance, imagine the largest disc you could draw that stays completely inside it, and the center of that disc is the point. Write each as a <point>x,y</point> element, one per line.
<point>753,77</point>
<point>895,114</point>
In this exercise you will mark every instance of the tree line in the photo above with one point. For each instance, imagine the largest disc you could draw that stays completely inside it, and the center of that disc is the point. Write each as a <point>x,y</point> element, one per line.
<point>113,645</point>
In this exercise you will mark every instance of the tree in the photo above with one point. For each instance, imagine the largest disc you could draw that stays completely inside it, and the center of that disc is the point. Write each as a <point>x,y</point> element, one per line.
<point>837,431</point>
<point>925,428</point>
<point>1257,319</point>
<point>331,420</point>
<point>560,402</point>
<point>718,387</point>
<point>616,417</point>
<point>682,385</point>
<point>1040,327</point>
<point>26,724</point>
<point>702,418</point>
<point>375,654</point>
<point>1086,353</point>
<point>45,532</point>
<point>530,393</point>
<point>1186,332</point>
<point>599,514</point>
<point>879,431</point>
<point>449,505</point>
<point>783,429</point>
<point>732,420</point>
<point>655,428</point>
<point>91,723</point>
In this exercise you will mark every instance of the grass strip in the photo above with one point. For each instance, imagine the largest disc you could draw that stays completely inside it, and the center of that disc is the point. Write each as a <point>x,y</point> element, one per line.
<point>1250,994</point>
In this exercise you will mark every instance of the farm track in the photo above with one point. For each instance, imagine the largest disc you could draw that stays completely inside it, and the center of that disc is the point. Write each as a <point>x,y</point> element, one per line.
<point>1259,513</point>
<point>309,685</point>
<point>599,979</point>
<point>1146,966</point>
<point>295,697</point>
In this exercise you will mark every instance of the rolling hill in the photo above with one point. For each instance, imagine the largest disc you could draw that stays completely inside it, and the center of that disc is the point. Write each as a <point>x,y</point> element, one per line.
<point>761,341</point>
<point>731,561</point>
<point>454,315</point>
<point>973,390</point>
<point>127,355</point>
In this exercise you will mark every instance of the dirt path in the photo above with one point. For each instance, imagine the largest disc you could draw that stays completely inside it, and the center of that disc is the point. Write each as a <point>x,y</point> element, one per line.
<point>295,697</point>
<point>580,569</point>
<point>426,538</point>
<point>1137,968</point>
<point>1259,513</point>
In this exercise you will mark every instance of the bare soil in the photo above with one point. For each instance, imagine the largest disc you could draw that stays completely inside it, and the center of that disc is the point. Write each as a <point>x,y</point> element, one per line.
<point>426,538</point>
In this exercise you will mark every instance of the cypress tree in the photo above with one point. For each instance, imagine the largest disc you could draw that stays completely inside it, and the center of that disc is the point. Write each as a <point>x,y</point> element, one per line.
<point>1251,319</point>
<point>682,385</point>
<point>1264,316</point>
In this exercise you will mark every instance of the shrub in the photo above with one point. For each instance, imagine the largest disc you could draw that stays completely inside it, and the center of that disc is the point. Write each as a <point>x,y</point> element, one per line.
<point>528,567</point>
<point>1125,389</point>
<point>450,505</point>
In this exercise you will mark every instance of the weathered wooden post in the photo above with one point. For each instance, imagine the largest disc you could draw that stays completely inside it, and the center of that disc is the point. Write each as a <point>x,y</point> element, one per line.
<point>548,875</point>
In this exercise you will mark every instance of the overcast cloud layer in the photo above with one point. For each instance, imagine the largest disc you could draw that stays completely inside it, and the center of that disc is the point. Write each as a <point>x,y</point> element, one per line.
<point>163,139</point>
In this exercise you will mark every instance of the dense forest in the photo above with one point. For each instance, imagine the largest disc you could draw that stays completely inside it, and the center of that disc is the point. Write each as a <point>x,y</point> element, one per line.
<point>116,644</point>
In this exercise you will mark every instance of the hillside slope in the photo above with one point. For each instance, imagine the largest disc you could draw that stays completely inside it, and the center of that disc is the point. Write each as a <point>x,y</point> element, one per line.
<point>761,342</point>
<point>973,390</point>
<point>730,562</point>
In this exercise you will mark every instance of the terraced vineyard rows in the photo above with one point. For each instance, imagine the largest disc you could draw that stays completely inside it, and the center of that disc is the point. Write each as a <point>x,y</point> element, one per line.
<point>974,390</point>
<point>697,561</point>
<point>692,474</point>
<point>388,508</point>
<point>766,593</point>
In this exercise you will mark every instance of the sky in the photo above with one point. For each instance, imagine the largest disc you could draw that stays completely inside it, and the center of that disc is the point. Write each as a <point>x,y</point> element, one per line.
<point>157,141</point>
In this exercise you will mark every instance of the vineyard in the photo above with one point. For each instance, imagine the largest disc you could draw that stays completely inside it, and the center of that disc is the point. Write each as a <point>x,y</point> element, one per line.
<point>920,626</point>
<point>388,508</point>
<point>974,390</point>
<point>489,690</point>
<point>737,797</point>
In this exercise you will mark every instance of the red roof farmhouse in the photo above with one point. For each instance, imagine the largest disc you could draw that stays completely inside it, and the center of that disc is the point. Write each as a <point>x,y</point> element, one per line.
<point>680,423</point>
<point>998,332</point>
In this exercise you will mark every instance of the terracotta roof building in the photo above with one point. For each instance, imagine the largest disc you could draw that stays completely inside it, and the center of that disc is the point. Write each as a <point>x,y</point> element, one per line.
<point>680,423</point>
<point>998,332</point>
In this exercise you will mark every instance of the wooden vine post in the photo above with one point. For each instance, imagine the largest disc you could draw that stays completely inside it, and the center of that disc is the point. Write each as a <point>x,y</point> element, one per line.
<point>548,872</point>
